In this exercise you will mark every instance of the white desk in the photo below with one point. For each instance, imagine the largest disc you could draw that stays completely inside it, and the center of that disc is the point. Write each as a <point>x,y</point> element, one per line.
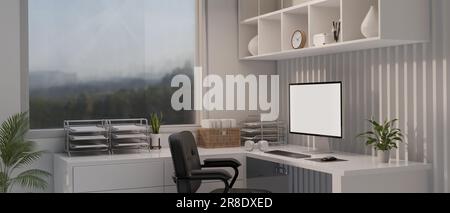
<point>360,173</point>
<point>153,171</point>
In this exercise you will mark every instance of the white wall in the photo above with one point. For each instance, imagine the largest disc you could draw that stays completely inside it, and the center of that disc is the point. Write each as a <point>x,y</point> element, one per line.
<point>10,63</point>
<point>406,82</point>
<point>223,50</point>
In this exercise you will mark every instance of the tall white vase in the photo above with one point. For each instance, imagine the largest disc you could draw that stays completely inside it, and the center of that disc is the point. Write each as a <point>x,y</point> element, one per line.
<point>369,27</point>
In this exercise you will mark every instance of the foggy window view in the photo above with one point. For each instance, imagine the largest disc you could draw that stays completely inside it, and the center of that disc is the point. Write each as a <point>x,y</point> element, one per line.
<point>108,59</point>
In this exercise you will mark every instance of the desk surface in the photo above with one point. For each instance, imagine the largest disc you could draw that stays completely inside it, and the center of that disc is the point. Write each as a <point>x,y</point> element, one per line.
<point>355,165</point>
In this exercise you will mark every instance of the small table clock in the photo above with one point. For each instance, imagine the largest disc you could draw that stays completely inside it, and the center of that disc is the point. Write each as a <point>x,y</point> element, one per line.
<point>298,39</point>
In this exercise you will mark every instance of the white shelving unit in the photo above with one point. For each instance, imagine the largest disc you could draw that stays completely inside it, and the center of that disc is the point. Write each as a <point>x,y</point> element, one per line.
<point>274,21</point>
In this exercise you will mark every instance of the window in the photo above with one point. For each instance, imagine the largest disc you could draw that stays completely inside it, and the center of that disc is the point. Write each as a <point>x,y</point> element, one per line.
<point>108,59</point>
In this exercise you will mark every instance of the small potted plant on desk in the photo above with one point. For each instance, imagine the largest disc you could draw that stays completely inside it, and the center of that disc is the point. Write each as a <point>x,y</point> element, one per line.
<point>155,137</point>
<point>384,137</point>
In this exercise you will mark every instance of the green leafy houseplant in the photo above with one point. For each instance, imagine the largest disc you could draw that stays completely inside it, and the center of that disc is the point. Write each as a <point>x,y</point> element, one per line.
<point>384,137</point>
<point>16,152</point>
<point>155,122</point>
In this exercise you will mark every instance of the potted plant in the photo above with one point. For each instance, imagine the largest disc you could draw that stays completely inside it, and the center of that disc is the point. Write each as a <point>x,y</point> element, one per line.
<point>16,153</point>
<point>155,137</point>
<point>384,137</point>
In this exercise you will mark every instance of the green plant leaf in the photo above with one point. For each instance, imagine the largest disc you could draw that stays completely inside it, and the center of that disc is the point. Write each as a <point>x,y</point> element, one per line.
<point>16,153</point>
<point>31,179</point>
<point>155,122</point>
<point>28,159</point>
<point>383,136</point>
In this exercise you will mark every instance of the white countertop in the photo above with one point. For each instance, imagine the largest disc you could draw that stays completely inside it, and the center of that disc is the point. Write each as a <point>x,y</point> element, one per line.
<point>355,165</point>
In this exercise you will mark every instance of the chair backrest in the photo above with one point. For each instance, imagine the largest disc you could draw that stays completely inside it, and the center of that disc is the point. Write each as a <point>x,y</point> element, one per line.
<point>185,159</point>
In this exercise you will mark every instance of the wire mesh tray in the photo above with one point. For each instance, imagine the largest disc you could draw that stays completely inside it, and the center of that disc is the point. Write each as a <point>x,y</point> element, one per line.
<point>89,146</point>
<point>88,138</point>
<point>129,136</point>
<point>128,128</point>
<point>86,129</point>
<point>123,145</point>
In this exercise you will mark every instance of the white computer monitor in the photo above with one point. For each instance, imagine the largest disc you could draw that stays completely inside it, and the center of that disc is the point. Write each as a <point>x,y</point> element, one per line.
<point>316,109</point>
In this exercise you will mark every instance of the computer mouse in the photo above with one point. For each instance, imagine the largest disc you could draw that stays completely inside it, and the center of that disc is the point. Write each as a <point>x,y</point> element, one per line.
<point>329,159</point>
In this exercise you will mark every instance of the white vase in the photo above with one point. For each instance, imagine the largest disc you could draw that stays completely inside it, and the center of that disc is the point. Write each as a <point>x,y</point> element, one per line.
<point>155,141</point>
<point>383,156</point>
<point>369,27</point>
<point>253,46</point>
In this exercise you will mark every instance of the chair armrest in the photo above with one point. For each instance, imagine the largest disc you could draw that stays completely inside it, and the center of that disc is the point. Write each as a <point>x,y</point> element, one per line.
<point>224,162</point>
<point>210,174</point>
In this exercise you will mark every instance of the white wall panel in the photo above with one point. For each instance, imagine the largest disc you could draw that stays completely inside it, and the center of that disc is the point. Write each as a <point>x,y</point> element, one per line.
<point>10,60</point>
<point>407,82</point>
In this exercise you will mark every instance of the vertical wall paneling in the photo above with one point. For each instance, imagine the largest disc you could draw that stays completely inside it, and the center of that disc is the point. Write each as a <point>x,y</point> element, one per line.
<point>446,79</point>
<point>308,181</point>
<point>408,82</point>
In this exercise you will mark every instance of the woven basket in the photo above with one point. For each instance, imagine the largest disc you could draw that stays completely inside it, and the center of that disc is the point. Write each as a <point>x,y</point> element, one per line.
<point>219,138</point>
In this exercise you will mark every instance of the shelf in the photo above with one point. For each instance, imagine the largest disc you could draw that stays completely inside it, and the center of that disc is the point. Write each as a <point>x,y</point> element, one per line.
<point>274,22</point>
<point>129,136</point>
<point>123,145</point>
<point>128,128</point>
<point>251,21</point>
<point>92,146</point>
<point>361,44</point>
<point>86,129</point>
<point>88,138</point>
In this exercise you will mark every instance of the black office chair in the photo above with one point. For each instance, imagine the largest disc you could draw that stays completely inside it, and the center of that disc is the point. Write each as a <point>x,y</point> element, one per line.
<point>189,172</point>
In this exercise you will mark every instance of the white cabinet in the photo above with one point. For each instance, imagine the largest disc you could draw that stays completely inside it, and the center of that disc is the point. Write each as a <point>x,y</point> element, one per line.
<point>275,21</point>
<point>146,173</point>
<point>98,178</point>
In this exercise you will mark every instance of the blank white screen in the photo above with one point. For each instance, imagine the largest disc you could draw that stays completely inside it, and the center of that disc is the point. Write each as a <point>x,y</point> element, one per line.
<point>316,109</point>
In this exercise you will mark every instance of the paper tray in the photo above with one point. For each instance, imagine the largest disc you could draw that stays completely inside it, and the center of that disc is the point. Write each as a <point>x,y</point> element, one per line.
<point>87,129</point>
<point>122,145</point>
<point>128,128</point>
<point>91,146</point>
<point>129,136</point>
<point>87,138</point>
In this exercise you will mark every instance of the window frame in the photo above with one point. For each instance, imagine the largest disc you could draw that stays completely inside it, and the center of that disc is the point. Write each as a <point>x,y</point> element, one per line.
<point>59,132</point>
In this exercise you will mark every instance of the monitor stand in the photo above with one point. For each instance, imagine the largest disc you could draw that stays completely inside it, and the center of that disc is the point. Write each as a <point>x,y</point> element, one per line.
<point>323,146</point>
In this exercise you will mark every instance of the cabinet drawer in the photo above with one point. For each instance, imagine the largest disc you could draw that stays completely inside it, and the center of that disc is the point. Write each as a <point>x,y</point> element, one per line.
<point>118,176</point>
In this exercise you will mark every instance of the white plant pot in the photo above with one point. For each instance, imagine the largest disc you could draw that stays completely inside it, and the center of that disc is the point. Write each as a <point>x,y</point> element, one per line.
<point>155,140</point>
<point>369,27</point>
<point>253,46</point>
<point>383,156</point>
